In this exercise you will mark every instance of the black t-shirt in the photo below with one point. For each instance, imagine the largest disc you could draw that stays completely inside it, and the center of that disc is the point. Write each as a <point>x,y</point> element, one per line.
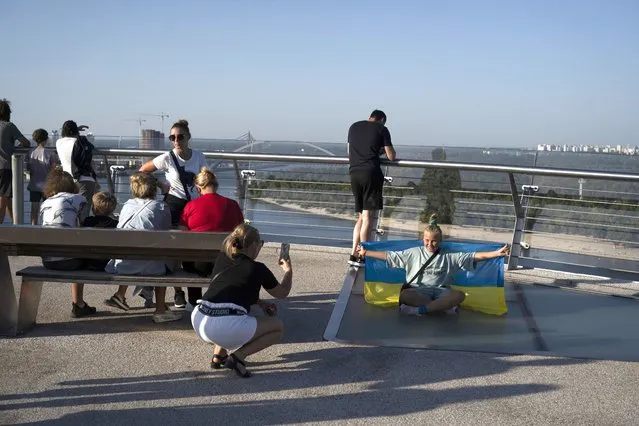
<point>240,285</point>
<point>366,140</point>
<point>100,222</point>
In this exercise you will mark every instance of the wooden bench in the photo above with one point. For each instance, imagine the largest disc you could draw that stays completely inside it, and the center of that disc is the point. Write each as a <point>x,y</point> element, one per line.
<point>17,316</point>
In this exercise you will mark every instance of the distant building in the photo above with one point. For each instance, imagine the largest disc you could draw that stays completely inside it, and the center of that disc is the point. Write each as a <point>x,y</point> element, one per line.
<point>151,139</point>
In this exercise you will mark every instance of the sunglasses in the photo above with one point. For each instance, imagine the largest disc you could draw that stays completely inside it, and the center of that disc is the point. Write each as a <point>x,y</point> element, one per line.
<point>180,137</point>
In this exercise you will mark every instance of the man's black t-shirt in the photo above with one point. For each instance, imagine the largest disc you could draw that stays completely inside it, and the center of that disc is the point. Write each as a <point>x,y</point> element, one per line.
<point>242,282</point>
<point>366,139</point>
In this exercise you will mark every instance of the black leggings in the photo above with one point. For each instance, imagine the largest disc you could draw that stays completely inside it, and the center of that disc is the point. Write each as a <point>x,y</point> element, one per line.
<point>176,205</point>
<point>64,264</point>
<point>203,269</point>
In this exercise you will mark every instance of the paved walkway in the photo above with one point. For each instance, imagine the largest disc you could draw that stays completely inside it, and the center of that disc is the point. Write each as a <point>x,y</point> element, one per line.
<point>122,369</point>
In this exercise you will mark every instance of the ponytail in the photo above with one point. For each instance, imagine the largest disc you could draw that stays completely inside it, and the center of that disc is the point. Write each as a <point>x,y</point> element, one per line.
<point>242,237</point>
<point>432,225</point>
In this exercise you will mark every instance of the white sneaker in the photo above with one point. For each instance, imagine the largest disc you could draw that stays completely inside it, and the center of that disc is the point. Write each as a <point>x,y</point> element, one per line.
<point>409,310</point>
<point>167,316</point>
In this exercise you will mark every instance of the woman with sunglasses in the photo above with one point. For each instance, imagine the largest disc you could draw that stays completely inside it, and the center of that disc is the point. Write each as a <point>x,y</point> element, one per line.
<point>221,317</point>
<point>180,165</point>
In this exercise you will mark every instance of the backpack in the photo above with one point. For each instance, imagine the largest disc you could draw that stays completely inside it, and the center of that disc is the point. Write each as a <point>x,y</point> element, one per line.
<point>82,158</point>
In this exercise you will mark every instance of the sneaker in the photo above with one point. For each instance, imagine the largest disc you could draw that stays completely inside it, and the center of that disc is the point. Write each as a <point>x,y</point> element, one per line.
<point>117,302</point>
<point>147,294</point>
<point>79,312</point>
<point>409,310</point>
<point>166,316</point>
<point>179,299</point>
<point>453,311</point>
<point>356,261</point>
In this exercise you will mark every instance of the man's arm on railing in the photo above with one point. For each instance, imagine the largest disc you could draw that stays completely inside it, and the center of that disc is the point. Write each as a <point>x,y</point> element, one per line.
<point>390,152</point>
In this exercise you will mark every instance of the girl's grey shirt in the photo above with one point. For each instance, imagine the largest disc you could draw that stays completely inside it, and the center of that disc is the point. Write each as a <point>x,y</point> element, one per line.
<point>139,213</point>
<point>441,271</point>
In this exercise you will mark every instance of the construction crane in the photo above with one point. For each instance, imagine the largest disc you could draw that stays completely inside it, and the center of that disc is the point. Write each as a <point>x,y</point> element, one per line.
<point>138,120</point>
<point>162,116</point>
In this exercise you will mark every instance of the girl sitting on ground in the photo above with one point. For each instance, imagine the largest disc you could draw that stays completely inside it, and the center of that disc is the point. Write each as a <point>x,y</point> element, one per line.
<point>431,293</point>
<point>62,208</point>
<point>143,211</point>
<point>221,317</point>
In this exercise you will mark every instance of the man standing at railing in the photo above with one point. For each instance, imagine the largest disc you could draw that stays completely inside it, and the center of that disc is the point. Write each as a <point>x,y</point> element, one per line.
<point>9,134</point>
<point>367,140</point>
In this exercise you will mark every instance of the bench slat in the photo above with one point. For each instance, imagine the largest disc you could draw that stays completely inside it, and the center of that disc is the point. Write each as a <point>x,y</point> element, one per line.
<point>122,252</point>
<point>179,278</point>
<point>96,237</point>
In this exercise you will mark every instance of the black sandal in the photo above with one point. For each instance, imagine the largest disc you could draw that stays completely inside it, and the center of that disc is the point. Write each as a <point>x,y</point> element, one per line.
<point>233,363</point>
<point>218,361</point>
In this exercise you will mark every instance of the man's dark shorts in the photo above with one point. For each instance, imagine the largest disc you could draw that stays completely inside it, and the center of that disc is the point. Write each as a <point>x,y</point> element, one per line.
<point>367,186</point>
<point>36,196</point>
<point>5,183</point>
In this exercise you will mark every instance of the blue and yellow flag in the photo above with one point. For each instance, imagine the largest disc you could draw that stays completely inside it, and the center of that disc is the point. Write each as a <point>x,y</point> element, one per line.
<point>484,287</point>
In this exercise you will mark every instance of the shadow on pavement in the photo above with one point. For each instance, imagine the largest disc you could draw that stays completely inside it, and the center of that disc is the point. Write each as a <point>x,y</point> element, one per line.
<point>375,381</point>
<point>304,316</point>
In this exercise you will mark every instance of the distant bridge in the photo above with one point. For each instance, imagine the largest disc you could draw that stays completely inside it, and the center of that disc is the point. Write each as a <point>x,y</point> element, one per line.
<point>254,142</point>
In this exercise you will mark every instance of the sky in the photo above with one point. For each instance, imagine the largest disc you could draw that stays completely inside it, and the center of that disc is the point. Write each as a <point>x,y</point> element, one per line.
<point>498,73</point>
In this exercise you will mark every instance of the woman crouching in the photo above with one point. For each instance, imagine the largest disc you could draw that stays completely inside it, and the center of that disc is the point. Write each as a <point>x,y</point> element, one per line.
<point>221,317</point>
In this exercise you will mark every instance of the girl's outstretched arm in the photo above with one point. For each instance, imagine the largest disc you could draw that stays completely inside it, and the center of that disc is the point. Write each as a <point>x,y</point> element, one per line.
<point>361,251</point>
<point>485,255</point>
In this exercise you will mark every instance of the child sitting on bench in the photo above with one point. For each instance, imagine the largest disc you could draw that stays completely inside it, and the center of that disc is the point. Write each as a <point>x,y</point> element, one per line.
<point>143,211</point>
<point>61,209</point>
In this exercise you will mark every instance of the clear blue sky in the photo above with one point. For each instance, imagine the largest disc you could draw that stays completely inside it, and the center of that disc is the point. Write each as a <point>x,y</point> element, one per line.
<point>471,73</point>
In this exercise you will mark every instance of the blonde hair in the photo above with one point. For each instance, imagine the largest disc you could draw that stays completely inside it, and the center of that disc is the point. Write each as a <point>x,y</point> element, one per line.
<point>144,185</point>
<point>206,178</point>
<point>433,227</point>
<point>104,203</point>
<point>241,238</point>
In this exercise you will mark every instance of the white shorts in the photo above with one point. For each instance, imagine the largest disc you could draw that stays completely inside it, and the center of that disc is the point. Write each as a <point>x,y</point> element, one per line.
<point>229,331</point>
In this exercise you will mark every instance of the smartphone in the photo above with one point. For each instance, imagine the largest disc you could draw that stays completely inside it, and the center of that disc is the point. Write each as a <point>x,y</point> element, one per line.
<point>284,248</point>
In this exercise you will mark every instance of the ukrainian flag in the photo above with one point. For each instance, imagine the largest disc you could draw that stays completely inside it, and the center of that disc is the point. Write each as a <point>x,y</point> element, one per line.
<point>484,287</point>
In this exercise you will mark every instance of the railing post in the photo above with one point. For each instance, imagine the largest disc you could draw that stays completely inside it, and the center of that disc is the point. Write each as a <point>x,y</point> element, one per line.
<point>247,176</point>
<point>107,170</point>
<point>515,247</point>
<point>17,186</point>
<point>239,187</point>
<point>377,232</point>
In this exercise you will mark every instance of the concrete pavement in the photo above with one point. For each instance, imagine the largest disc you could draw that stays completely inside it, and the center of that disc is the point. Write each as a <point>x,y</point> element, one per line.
<point>120,368</point>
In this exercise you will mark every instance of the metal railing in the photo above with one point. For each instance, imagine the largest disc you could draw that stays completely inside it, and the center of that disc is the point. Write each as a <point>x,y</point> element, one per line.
<point>307,199</point>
